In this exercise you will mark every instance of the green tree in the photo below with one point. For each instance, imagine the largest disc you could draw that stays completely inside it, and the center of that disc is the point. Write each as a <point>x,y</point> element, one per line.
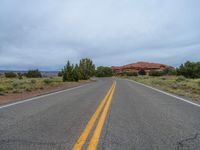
<point>103,72</point>
<point>87,68</point>
<point>60,74</point>
<point>189,69</point>
<point>76,73</point>
<point>67,72</point>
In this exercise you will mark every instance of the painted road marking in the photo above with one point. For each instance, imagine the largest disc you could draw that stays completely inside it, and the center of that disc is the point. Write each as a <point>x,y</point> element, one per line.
<point>166,93</point>
<point>97,133</point>
<point>80,142</point>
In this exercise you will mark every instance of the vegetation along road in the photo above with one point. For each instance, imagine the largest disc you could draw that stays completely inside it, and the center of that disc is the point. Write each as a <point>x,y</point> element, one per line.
<point>108,114</point>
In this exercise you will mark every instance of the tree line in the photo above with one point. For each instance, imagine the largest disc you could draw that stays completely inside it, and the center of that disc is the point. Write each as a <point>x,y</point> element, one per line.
<point>35,73</point>
<point>86,69</point>
<point>83,71</point>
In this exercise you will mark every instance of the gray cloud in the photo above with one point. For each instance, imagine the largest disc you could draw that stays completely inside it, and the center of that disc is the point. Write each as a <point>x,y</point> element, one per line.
<point>44,34</point>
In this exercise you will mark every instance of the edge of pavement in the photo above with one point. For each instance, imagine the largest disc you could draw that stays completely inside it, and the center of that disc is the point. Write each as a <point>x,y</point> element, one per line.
<point>163,92</point>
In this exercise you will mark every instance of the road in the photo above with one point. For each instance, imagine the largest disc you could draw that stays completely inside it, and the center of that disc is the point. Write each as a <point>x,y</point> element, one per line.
<point>110,114</point>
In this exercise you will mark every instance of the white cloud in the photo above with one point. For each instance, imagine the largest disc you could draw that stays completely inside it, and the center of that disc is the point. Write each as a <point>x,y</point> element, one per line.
<point>46,33</point>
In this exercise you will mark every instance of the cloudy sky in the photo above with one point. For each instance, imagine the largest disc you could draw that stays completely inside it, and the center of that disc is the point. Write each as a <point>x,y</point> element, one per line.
<point>45,34</point>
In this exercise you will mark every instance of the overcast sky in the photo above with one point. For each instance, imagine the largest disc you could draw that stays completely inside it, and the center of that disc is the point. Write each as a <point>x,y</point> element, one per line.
<point>45,34</point>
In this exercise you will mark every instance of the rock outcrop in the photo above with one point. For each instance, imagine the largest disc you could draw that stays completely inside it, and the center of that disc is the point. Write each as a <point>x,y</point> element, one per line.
<point>135,67</point>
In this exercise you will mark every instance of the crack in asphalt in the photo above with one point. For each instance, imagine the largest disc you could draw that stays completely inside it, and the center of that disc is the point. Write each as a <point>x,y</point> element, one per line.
<point>186,143</point>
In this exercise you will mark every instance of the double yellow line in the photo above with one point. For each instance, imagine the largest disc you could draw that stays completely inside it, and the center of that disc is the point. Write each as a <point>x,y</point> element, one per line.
<point>97,132</point>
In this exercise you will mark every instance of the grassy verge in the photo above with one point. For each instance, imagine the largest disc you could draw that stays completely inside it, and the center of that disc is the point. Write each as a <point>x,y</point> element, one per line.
<point>177,85</point>
<point>14,85</point>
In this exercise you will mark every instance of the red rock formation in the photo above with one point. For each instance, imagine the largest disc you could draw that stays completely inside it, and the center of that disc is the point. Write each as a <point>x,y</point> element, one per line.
<point>135,67</point>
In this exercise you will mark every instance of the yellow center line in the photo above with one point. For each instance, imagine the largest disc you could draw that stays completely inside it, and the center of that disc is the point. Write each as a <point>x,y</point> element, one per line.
<point>80,142</point>
<point>95,138</point>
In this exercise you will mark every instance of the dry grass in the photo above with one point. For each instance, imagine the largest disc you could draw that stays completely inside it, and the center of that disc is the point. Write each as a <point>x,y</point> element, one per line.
<point>15,85</point>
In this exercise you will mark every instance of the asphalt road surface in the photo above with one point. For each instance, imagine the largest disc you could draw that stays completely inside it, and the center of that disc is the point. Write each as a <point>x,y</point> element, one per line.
<point>110,114</point>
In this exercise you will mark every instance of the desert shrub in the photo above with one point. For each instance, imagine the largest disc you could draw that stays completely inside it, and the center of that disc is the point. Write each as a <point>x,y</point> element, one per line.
<point>198,83</point>
<point>174,86</point>
<point>131,73</point>
<point>9,88</point>
<point>20,75</point>
<point>33,81</point>
<point>156,73</point>
<point>28,89</point>
<point>33,74</point>
<point>180,78</point>
<point>47,81</point>
<point>2,89</point>
<point>15,84</point>
<point>170,71</point>
<point>142,72</point>
<point>16,91</point>
<point>10,75</point>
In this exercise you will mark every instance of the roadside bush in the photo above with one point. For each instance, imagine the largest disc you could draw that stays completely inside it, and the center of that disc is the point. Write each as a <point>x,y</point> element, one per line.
<point>198,83</point>
<point>170,71</point>
<point>20,75</point>
<point>9,88</point>
<point>47,81</point>
<point>131,73</point>
<point>33,74</point>
<point>10,75</point>
<point>28,89</point>
<point>156,73</point>
<point>33,81</point>
<point>15,84</point>
<point>142,72</point>
<point>180,78</point>
<point>2,89</point>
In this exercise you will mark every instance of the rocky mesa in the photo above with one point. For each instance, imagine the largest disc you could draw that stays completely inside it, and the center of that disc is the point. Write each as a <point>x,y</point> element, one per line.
<point>135,67</point>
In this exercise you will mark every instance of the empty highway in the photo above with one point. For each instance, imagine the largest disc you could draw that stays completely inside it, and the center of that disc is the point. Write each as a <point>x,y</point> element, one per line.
<point>109,114</point>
